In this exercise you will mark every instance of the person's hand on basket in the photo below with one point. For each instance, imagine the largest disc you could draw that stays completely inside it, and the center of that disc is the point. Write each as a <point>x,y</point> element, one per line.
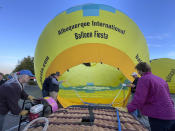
<point>24,112</point>
<point>31,98</point>
<point>124,85</point>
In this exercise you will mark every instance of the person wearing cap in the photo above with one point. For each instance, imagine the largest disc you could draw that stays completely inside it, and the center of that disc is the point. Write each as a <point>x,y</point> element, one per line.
<point>9,77</point>
<point>51,86</point>
<point>153,99</point>
<point>10,93</point>
<point>133,86</point>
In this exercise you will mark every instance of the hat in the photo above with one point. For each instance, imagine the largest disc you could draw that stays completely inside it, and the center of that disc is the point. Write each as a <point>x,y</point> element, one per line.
<point>9,77</point>
<point>134,74</point>
<point>26,72</point>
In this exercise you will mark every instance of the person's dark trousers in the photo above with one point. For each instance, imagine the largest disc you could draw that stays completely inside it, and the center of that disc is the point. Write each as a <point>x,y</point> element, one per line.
<point>59,104</point>
<point>2,118</point>
<point>161,125</point>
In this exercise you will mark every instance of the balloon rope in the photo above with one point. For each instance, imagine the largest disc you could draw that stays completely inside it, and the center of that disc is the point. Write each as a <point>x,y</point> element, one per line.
<point>117,95</point>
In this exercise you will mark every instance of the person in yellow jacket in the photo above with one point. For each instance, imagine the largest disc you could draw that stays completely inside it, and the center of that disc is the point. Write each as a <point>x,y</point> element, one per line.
<point>11,92</point>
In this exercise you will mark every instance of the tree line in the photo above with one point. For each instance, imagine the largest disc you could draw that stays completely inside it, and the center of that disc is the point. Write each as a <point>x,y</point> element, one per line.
<point>26,63</point>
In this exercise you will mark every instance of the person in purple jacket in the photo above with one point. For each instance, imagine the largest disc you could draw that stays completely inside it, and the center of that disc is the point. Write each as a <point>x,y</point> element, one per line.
<point>153,99</point>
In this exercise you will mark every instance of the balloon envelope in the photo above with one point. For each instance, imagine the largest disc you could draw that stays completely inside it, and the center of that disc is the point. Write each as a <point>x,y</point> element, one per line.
<point>165,68</point>
<point>91,33</point>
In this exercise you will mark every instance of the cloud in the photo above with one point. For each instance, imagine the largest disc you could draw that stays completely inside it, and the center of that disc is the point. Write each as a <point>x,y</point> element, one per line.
<point>6,69</point>
<point>155,45</point>
<point>158,37</point>
<point>171,54</point>
<point>158,40</point>
<point>8,63</point>
<point>9,57</point>
<point>173,45</point>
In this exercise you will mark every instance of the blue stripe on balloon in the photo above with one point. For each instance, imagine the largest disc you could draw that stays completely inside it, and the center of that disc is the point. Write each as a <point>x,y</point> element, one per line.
<point>91,9</point>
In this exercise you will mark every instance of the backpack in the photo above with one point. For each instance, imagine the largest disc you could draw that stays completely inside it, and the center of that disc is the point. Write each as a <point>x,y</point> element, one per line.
<point>46,83</point>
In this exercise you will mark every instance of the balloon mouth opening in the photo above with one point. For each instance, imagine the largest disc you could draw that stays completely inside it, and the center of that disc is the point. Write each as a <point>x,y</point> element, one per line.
<point>92,53</point>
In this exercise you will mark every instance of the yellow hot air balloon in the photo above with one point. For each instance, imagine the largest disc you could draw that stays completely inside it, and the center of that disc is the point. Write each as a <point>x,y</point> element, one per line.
<point>98,83</point>
<point>165,68</point>
<point>91,33</point>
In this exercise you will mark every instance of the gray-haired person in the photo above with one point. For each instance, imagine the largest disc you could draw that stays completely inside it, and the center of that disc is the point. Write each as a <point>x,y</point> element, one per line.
<point>10,93</point>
